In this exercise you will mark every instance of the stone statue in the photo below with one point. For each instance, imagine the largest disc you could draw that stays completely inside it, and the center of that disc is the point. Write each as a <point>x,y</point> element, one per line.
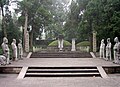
<point>14,50</point>
<point>2,60</point>
<point>20,49</point>
<point>5,49</point>
<point>43,35</point>
<point>102,49</point>
<point>108,50</point>
<point>116,49</point>
<point>60,42</point>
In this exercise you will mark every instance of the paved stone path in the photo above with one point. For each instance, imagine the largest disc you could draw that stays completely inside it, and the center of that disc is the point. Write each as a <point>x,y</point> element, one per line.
<point>63,62</point>
<point>10,80</point>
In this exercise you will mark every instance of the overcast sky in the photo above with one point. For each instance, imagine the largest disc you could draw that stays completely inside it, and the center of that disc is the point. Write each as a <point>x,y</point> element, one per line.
<point>14,6</point>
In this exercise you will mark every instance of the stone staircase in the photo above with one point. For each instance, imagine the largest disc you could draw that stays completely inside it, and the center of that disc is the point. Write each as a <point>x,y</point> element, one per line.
<point>61,55</point>
<point>62,72</point>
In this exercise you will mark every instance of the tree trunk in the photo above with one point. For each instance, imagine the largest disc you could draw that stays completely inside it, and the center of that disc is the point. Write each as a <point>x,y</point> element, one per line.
<point>91,42</point>
<point>31,39</point>
<point>91,35</point>
<point>3,24</point>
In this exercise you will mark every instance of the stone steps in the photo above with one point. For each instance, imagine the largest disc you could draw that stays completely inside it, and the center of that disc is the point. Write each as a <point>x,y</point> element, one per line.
<point>62,72</point>
<point>60,55</point>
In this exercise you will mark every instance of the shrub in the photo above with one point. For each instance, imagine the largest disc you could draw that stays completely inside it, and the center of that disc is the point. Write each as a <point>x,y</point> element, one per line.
<point>84,43</point>
<point>55,43</point>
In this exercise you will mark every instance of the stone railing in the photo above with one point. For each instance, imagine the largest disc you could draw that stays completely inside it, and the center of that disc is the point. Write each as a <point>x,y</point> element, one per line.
<point>83,48</point>
<point>66,48</point>
<point>55,49</point>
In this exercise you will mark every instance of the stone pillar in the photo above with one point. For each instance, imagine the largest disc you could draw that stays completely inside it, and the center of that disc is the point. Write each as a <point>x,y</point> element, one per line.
<point>73,45</point>
<point>94,42</point>
<point>27,42</point>
<point>43,35</point>
<point>60,44</point>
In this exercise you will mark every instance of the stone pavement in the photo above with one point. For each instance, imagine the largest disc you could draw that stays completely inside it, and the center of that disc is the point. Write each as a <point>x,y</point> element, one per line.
<point>63,62</point>
<point>10,80</point>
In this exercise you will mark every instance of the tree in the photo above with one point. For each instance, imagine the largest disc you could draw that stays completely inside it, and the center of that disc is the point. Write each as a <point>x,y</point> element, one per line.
<point>101,16</point>
<point>43,14</point>
<point>35,14</point>
<point>8,27</point>
<point>77,8</point>
<point>59,10</point>
<point>3,3</point>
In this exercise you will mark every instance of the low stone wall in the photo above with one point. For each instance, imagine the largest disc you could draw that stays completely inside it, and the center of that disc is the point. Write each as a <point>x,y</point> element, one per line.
<point>36,49</point>
<point>83,48</point>
<point>10,70</point>
<point>51,48</point>
<point>66,48</point>
<point>55,49</point>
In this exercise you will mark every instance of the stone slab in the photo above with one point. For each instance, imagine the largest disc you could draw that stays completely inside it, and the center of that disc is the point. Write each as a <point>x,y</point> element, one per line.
<point>22,73</point>
<point>102,72</point>
<point>30,53</point>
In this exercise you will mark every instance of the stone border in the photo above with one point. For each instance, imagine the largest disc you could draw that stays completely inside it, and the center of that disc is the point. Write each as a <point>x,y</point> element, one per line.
<point>93,55</point>
<point>22,73</point>
<point>102,72</point>
<point>29,54</point>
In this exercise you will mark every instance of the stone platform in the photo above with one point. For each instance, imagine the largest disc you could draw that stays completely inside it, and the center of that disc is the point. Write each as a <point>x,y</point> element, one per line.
<point>61,54</point>
<point>11,80</point>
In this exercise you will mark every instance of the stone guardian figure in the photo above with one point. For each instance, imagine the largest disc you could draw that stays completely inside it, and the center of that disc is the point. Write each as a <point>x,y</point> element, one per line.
<point>5,49</point>
<point>116,50</point>
<point>14,50</point>
<point>20,49</point>
<point>102,49</point>
<point>108,50</point>
<point>2,60</point>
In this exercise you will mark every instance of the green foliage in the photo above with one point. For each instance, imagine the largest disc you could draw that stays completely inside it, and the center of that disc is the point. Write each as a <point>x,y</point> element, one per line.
<point>8,24</point>
<point>59,13</point>
<point>43,14</point>
<point>3,13</point>
<point>87,16</point>
<point>71,27</point>
<point>0,51</point>
<point>13,32</point>
<point>39,16</point>
<point>84,43</point>
<point>55,43</point>
<point>84,17</point>
<point>103,17</point>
